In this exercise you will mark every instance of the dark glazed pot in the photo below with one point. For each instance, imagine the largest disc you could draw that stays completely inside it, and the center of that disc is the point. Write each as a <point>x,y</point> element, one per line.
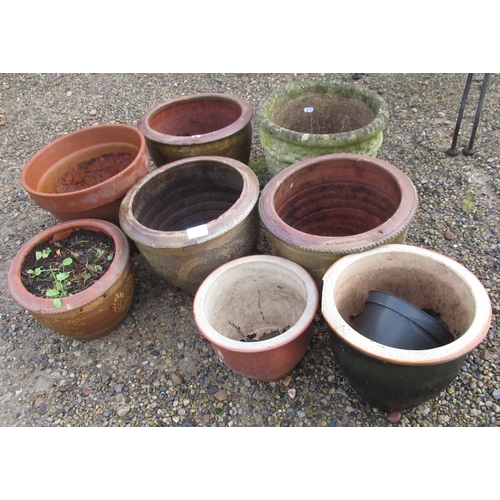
<point>310,119</point>
<point>191,216</point>
<point>91,313</point>
<point>86,173</point>
<point>199,125</point>
<point>398,379</point>
<point>322,208</point>
<point>257,312</point>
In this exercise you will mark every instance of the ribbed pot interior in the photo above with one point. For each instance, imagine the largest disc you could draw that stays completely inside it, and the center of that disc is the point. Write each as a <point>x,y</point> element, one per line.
<point>337,198</point>
<point>186,196</point>
<point>195,116</point>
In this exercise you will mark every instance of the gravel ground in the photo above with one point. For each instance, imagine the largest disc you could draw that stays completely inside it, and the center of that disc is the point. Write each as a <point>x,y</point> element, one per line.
<point>157,370</point>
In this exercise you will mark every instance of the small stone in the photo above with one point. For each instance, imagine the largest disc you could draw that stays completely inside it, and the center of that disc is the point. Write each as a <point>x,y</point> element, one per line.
<point>301,413</point>
<point>342,392</point>
<point>92,112</point>
<point>292,393</point>
<point>496,394</point>
<point>38,402</point>
<point>261,247</point>
<point>485,354</point>
<point>449,235</point>
<point>206,418</point>
<point>176,378</point>
<point>86,391</point>
<point>287,380</point>
<point>394,417</point>
<point>123,411</point>
<point>22,216</point>
<point>2,123</point>
<point>220,395</point>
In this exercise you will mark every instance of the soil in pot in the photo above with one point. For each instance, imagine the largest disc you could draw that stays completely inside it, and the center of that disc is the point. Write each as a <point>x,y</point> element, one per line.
<point>57,269</point>
<point>87,168</point>
<point>323,114</point>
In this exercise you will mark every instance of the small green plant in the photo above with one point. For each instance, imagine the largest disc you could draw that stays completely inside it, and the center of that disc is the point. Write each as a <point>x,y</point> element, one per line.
<point>60,281</point>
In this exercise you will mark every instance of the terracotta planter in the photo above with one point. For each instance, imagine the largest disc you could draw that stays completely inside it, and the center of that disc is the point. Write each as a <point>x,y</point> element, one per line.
<point>322,208</point>
<point>397,379</point>
<point>199,125</point>
<point>191,216</point>
<point>310,119</point>
<point>85,174</point>
<point>258,297</point>
<point>93,312</point>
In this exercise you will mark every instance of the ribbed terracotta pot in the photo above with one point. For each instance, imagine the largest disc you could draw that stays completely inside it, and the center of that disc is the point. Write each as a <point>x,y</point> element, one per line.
<point>325,207</point>
<point>92,313</point>
<point>86,173</point>
<point>257,312</point>
<point>398,379</point>
<point>310,119</point>
<point>199,125</point>
<point>191,216</point>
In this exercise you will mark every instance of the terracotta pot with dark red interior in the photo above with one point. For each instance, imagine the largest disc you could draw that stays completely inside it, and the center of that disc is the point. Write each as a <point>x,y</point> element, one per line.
<point>199,125</point>
<point>86,173</point>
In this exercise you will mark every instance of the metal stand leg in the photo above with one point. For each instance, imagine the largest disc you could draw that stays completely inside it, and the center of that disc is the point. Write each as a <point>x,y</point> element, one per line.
<point>469,150</point>
<point>453,151</point>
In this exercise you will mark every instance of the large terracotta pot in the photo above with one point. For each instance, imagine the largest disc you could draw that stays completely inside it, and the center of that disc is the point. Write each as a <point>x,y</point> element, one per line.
<point>93,312</point>
<point>191,216</point>
<point>325,207</point>
<point>397,379</point>
<point>199,125</point>
<point>86,173</point>
<point>310,119</point>
<point>257,312</point>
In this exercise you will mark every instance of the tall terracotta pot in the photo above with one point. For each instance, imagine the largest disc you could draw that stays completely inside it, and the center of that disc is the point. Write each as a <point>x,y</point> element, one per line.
<point>92,313</point>
<point>199,125</point>
<point>310,119</point>
<point>325,207</point>
<point>86,173</point>
<point>191,216</point>
<point>391,378</point>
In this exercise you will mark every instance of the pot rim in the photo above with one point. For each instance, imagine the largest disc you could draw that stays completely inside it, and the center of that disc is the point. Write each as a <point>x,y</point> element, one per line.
<point>41,305</point>
<point>458,348</point>
<point>114,187</point>
<point>296,90</point>
<point>386,231</point>
<point>244,119</point>
<point>243,206</point>
<point>219,340</point>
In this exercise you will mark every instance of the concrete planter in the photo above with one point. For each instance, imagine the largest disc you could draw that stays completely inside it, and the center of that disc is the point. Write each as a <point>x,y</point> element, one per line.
<point>397,379</point>
<point>317,118</point>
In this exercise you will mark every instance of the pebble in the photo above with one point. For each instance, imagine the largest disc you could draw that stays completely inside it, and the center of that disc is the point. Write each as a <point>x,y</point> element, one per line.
<point>221,395</point>
<point>123,411</point>
<point>177,378</point>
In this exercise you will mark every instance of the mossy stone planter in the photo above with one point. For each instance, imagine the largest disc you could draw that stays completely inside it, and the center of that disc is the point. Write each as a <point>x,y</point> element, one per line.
<point>316,118</point>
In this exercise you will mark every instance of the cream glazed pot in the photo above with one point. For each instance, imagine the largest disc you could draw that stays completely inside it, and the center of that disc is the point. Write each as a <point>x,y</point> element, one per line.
<point>257,312</point>
<point>397,379</point>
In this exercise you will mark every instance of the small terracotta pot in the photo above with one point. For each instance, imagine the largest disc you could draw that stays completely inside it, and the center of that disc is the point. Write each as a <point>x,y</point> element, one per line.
<point>310,119</point>
<point>258,296</point>
<point>199,125</point>
<point>191,216</point>
<point>86,173</point>
<point>92,313</point>
<point>325,207</point>
<point>398,379</point>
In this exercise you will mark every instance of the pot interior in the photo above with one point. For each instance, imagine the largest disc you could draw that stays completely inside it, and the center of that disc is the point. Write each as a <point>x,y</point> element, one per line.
<point>195,116</point>
<point>421,281</point>
<point>255,301</point>
<point>322,113</point>
<point>335,198</point>
<point>176,199</point>
<point>87,167</point>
